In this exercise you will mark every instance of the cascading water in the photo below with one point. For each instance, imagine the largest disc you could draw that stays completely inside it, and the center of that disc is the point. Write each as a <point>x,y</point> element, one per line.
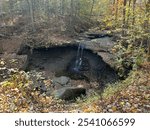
<point>79,58</point>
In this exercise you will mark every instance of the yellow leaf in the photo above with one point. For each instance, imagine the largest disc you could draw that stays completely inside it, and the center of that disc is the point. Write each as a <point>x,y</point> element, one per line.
<point>87,110</point>
<point>2,63</point>
<point>114,108</point>
<point>122,103</point>
<point>7,83</point>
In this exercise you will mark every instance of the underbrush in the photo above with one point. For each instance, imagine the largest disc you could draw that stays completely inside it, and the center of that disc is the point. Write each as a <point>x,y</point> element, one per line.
<point>17,95</point>
<point>131,95</point>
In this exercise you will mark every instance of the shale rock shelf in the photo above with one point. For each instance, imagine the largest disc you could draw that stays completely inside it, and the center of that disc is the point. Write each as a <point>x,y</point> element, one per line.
<point>80,65</point>
<point>58,61</point>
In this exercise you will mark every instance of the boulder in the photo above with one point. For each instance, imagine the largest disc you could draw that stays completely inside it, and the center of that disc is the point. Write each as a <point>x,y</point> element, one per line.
<point>23,61</point>
<point>63,80</point>
<point>99,44</point>
<point>69,93</point>
<point>23,49</point>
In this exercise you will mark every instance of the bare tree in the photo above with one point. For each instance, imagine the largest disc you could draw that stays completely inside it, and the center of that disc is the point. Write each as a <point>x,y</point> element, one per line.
<point>1,11</point>
<point>147,24</point>
<point>93,2</point>
<point>133,10</point>
<point>116,12</point>
<point>11,9</point>
<point>30,4</point>
<point>70,27</point>
<point>124,17</point>
<point>128,13</point>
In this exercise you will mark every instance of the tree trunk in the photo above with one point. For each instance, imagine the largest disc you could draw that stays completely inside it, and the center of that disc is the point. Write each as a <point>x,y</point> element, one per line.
<point>78,8</point>
<point>147,24</point>
<point>71,15</point>
<point>1,16</point>
<point>128,13</point>
<point>91,12</point>
<point>62,7</point>
<point>72,7</point>
<point>47,10</point>
<point>30,4</point>
<point>133,10</point>
<point>11,10</point>
<point>1,13</point>
<point>148,40</point>
<point>1,7</point>
<point>124,18</point>
<point>116,11</point>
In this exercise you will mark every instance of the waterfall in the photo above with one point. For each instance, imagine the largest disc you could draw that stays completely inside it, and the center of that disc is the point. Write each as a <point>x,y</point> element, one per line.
<point>79,58</point>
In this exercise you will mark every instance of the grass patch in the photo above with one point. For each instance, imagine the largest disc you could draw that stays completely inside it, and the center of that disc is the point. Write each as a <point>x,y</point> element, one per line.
<point>112,89</point>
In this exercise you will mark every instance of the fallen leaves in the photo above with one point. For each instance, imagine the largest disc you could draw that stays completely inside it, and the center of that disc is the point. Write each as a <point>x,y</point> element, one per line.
<point>133,98</point>
<point>93,108</point>
<point>18,95</point>
<point>2,63</point>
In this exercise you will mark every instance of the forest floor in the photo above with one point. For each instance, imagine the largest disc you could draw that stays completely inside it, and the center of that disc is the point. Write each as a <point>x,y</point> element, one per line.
<point>131,95</point>
<point>16,95</point>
